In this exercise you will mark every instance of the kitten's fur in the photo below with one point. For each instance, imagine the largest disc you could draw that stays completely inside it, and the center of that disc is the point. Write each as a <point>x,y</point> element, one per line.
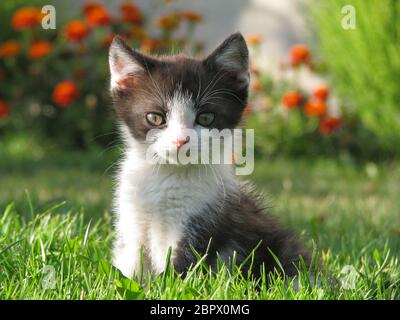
<point>201,207</point>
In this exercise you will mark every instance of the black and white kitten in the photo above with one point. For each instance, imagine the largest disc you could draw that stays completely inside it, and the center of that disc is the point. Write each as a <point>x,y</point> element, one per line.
<point>186,207</point>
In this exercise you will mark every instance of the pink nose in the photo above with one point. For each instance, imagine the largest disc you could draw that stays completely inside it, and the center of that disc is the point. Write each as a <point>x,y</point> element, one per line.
<point>180,142</point>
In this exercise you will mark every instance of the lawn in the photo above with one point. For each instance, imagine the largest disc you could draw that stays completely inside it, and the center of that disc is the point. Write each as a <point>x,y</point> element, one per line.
<point>56,229</point>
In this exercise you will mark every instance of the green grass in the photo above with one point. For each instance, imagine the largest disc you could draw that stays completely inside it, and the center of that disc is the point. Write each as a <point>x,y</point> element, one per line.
<point>349,212</point>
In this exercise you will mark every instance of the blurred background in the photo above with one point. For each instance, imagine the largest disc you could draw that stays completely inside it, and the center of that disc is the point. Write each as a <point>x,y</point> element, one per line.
<point>324,102</point>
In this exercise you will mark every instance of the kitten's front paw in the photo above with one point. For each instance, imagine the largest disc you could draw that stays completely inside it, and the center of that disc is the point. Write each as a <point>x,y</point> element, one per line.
<point>125,265</point>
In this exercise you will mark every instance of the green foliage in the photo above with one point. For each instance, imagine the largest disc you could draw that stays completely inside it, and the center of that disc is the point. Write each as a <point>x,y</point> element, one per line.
<point>280,130</point>
<point>365,62</point>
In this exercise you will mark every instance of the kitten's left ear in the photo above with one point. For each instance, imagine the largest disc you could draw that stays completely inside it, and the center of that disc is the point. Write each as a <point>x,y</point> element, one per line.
<point>233,57</point>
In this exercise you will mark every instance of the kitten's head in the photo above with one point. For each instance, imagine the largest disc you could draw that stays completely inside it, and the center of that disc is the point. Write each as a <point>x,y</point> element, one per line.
<point>176,93</point>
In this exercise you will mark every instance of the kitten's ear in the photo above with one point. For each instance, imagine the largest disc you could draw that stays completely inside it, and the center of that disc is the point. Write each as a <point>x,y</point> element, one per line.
<point>126,64</point>
<point>232,56</point>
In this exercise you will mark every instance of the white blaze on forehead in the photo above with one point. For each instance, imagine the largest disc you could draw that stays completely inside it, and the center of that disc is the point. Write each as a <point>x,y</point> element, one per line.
<point>181,114</point>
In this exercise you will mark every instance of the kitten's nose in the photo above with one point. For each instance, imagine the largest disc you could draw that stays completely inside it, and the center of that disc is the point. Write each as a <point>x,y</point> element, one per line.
<point>179,142</point>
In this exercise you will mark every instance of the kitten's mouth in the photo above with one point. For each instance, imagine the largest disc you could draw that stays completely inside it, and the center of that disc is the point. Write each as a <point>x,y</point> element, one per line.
<point>177,156</point>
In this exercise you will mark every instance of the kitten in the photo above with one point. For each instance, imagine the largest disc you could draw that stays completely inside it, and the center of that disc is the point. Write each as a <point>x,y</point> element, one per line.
<point>186,207</point>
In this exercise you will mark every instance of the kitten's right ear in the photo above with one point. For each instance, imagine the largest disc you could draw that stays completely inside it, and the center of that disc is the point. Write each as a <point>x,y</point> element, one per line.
<point>126,64</point>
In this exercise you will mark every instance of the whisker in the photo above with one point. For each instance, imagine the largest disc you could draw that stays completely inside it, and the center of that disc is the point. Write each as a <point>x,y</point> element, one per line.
<point>212,84</point>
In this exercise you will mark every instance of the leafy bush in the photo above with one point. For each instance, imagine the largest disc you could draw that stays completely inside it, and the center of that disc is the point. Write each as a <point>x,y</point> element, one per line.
<point>289,119</point>
<point>55,82</point>
<point>365,62</point>
<point>293,119</point>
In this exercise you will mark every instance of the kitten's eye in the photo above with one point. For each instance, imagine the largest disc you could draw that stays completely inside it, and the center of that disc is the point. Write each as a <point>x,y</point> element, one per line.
<point>155,119</point>
<point>205,118</point>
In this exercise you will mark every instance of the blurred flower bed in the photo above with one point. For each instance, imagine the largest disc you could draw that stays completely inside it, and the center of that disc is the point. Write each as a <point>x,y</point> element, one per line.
<point>55,82</point>
<point>297,121</point>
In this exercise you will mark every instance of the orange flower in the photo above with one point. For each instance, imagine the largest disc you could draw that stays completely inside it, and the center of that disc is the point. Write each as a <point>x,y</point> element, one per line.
<point>170,21</point>
<point>254,39</point>
<point>315,108</point>
<point>39,49</point>
<point>192,16</point>
<point>291,99</point>
<point>96,15</point>
<point>9,48</point>
<point>131,13</point>
<point>76,31</point>
<point>328,125</point>
<point>26,18</point>
<point>65,93</point>
<point>4,109</point>
<point>321,92</point>
<point>90,6</point>
<point>299,53</point>
<point>150,45</point>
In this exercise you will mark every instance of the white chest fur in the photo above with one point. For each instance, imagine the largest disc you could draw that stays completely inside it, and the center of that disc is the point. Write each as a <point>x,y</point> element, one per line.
<point>154,204</point>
